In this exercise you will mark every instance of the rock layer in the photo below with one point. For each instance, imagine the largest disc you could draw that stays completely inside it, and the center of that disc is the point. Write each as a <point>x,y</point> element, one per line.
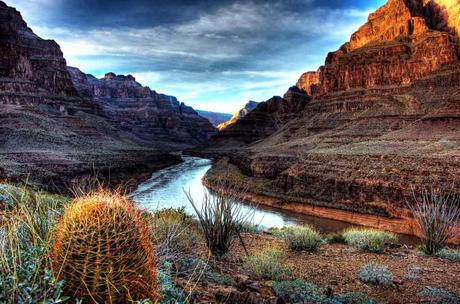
<point>385,120</point>
<point>52,131</point>
<point>151,118</point>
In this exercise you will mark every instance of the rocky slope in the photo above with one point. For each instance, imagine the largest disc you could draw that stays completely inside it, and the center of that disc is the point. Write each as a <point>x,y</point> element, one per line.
<point>384,116</point>
<point>52,131</point>
<point>214,117</point>
<point>248,107</point>
<point>151,119</point>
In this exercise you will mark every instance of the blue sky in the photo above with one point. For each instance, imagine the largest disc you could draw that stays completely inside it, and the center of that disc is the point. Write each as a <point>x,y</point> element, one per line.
<point>213,55</point>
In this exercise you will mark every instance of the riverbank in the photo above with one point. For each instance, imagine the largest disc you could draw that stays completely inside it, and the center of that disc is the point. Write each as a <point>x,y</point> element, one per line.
<point>399,222</point>
<point>61,173</point>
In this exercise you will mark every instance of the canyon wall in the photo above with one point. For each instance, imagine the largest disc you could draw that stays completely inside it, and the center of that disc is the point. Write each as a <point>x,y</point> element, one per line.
<point>54,128</point>
<point>150,117</point>
<point>382,119</point>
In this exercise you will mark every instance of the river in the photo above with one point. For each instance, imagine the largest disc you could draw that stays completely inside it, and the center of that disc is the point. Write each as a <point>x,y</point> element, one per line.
<point>165,189</point>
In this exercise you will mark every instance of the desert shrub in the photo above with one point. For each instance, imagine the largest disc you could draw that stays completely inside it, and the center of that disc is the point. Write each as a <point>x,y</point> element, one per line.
<point>301,291</point>
<point>103,251</point>
<point>26,279</point>
<point>25,275</point>
<point>170,293</point>
<point>436,211</point>
<point>438,296</point>
<point>368,239</point>
<point>300,238</point>
<point>268,265</point>
<point>220,279</point>
<point>449,254</point>
<point>335,238</point>
<point>10,196</point>
<point>354,298</point>
<point>376,274</point>
<point>221,218</point>
<point>174,232</point>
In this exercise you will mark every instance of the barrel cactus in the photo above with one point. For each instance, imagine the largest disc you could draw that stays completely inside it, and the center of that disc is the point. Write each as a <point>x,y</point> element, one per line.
<point>102,251</point>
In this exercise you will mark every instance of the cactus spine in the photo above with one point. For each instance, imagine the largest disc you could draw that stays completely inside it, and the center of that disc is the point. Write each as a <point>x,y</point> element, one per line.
<point>102,250</point>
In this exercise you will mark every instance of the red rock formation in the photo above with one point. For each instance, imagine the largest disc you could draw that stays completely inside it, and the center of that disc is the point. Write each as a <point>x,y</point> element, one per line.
<point>309,82</point>
<point>395,47</point>
<point>386,119</point>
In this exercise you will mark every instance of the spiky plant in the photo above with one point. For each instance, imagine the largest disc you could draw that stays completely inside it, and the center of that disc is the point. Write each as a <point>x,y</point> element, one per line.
<point>102,251</point>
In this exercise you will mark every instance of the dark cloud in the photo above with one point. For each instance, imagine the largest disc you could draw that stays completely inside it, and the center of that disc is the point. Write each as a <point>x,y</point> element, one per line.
<point>212,54</point>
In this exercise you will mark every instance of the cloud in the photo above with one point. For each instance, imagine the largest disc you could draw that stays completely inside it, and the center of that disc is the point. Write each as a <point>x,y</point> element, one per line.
<point>210,54</point>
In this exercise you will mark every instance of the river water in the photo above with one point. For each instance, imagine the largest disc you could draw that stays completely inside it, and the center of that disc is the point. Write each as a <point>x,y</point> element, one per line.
<point>165,189</point>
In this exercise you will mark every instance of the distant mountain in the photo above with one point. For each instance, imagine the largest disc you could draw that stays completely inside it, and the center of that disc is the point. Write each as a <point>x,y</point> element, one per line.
<point>150,118</point>
<point>214,117</point>
<point>248,107</point>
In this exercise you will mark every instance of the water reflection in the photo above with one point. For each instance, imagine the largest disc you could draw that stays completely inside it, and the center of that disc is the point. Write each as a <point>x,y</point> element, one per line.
<point>165,190</point>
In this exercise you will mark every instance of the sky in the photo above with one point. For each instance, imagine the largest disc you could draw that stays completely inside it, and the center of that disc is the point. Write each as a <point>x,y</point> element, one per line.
<point>212,55</point>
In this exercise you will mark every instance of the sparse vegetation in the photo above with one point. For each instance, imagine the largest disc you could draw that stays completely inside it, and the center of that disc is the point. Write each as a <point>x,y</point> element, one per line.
<point>221,219</point>
<point>376,274</point>
<point>102,250</point>
<point>174,232</point>
<point>434,295</point>
<point>25,226</point>
<point>268,265</point>
<point>300,238</point>
<point>449,254</point>
<point>170,293</point>
<point>436,211</point>
<point>335,238</point>
<point>301,291</point>
<point>354,298</point>
<point>368,239</point>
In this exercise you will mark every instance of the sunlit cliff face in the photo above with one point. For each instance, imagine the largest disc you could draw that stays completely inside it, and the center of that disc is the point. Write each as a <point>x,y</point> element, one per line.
<point>452,8</point>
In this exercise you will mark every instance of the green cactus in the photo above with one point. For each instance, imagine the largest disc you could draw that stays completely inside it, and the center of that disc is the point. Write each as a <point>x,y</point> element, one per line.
<point>102,251</point>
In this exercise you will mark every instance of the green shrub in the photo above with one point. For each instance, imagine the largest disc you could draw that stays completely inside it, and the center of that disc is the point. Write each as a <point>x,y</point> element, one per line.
<point>25,226</point>
<point>354,298</point>
<point>449,254</point>
<point>301,291</point>
<point>335,238</point>
<point>368,239</point>
<point>11,196</point>
<point>170,293</point>
<point>220,279</point>
<point>25,279</point>
<point>268,265</point>
<point>438,296</point>
<point>300,238</point>
<point>376,274</point>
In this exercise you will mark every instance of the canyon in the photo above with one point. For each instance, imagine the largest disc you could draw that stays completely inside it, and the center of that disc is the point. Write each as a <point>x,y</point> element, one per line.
<point>378,123</point>
<point>57,123</point>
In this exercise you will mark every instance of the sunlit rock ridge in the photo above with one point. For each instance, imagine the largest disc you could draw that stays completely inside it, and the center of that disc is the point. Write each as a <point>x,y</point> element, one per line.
<point>381,117</point>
